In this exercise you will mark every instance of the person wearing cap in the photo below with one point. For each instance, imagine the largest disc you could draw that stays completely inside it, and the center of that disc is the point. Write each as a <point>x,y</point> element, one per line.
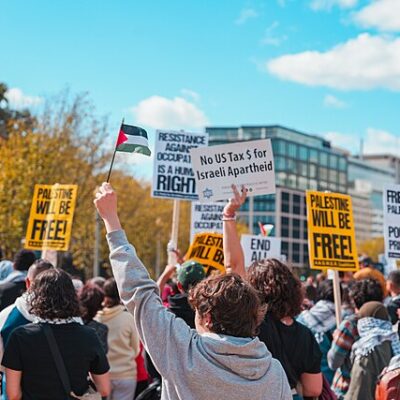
<point>373,351</point>
<point>188,275</point>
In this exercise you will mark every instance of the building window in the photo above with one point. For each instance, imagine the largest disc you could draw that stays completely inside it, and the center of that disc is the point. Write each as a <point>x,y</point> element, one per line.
<point>281,178</point>
<point>313,170</point>
<point>333,161</point>
<point>303,153</point>
<point>313,156</point>
<point>342,164</point>
<point>285,248</point>
<point>302,168</point>
<point>285,196</point>
<point>292,180</point>
<point>333,176</point>
<point>323,159</point>
<point>323,173</point>
<point>292,150</point>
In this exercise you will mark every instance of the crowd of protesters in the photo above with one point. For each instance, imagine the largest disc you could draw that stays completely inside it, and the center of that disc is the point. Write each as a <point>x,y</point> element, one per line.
<point>256,332</point>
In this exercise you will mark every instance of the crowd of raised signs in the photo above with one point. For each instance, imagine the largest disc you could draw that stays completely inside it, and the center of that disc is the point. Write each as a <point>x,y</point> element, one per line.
<point>254,332</point>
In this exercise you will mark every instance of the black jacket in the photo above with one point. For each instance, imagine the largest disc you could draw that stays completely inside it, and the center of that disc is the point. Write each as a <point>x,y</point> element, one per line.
<point>179,305</point>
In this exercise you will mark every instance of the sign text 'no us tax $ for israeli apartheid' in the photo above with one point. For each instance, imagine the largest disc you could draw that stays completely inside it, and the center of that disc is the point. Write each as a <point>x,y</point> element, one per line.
<point>173,174</point>
<point>207,250</point>
<point>217,168</point>
<point>50,220</point>
<point>391,217</point>
<point>331,234</point>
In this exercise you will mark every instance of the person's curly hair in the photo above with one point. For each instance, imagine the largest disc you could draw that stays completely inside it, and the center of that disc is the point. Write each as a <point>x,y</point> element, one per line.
<point>91,298</point>
<point>364,291</point>
<point>52,295</point>
<point>233,305</point>
<point>278,287</point>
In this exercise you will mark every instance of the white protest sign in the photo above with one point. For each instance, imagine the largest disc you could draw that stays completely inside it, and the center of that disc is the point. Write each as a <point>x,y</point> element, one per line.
<point>391,217</point>
<point>173,176</point>
<point>257,248</point>
<point>217,168</point>
<point>206,217</point>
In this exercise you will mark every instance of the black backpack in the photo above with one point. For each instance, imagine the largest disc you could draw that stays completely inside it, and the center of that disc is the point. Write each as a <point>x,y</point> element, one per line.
<point>153,392</point>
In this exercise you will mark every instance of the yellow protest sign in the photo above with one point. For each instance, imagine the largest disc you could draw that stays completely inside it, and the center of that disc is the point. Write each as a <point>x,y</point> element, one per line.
<point>50,220</point>
<point>331,233</point>
<point>207,250</point>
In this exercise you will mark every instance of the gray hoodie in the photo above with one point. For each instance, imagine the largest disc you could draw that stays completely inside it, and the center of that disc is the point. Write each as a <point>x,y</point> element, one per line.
<point>193,366</point>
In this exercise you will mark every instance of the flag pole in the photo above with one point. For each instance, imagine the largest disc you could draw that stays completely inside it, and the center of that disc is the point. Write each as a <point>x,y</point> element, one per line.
<point>113,157</point>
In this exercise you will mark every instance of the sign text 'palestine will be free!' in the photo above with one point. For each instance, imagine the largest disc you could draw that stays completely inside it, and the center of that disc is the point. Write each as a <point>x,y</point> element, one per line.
<point>331,233</point>
<point>50,220</point>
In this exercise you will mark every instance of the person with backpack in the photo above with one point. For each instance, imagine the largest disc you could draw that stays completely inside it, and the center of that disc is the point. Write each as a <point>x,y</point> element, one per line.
<point>54,356</point>
<point>222,358</point>
<point>388,386</point>
<point>372,352</point>
<point>360,292</point>
<point>290,342</point>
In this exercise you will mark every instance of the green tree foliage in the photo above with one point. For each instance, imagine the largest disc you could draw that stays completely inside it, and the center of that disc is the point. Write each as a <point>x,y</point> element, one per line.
<point>372,248</point>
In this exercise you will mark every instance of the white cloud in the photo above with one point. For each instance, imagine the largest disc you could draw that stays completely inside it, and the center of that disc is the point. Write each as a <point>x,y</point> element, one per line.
<point>191,94</point>
<point>163,113</point>
<point>270,38</point>
<point>365,62</point>
<point>381,14</point>
<point>18,99</point>
<point>328,4</point>
<point>331,101</point>
<point>245,15</point>
<point>376,141</point>
<point>342,140</point>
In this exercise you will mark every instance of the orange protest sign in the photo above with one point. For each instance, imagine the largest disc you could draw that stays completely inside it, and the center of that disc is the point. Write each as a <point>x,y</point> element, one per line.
<point>331,233</point>
<point>207,250</point>
<point>50,220</point>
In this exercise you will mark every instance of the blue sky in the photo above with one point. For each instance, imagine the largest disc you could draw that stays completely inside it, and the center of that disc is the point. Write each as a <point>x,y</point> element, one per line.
<point>329,67</point>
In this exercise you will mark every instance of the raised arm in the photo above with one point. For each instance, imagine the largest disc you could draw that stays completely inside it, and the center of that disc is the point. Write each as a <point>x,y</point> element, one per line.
<point>163,335</point>
<point>233,252</point>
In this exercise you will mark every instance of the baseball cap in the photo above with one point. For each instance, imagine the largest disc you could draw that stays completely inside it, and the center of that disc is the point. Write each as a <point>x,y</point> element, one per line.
<point>190,273</point>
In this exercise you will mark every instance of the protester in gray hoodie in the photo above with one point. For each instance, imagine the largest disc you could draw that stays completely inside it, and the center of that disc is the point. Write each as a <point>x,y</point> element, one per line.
<point>223,359</point>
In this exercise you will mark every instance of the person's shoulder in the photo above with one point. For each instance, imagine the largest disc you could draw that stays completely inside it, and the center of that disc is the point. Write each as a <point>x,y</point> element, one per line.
<point>31,329</point>
<point>303,332</point>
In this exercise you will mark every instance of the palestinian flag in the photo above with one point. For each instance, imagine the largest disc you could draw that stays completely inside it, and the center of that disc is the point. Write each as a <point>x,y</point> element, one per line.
<point>132,139</point>
<point>265,229</point>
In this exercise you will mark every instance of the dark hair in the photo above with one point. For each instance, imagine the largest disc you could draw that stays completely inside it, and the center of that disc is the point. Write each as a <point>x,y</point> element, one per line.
<point>394,277</point>
<point>365,290</point>
<point>91,298</point>
<point>233,305</point>
<point>53,295</point>
<point>325,291</point>
<point>111,293</point>
<point>311,293</point>
<point>279,288</point>
<point>23,260</point>
<point>38,267</point>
